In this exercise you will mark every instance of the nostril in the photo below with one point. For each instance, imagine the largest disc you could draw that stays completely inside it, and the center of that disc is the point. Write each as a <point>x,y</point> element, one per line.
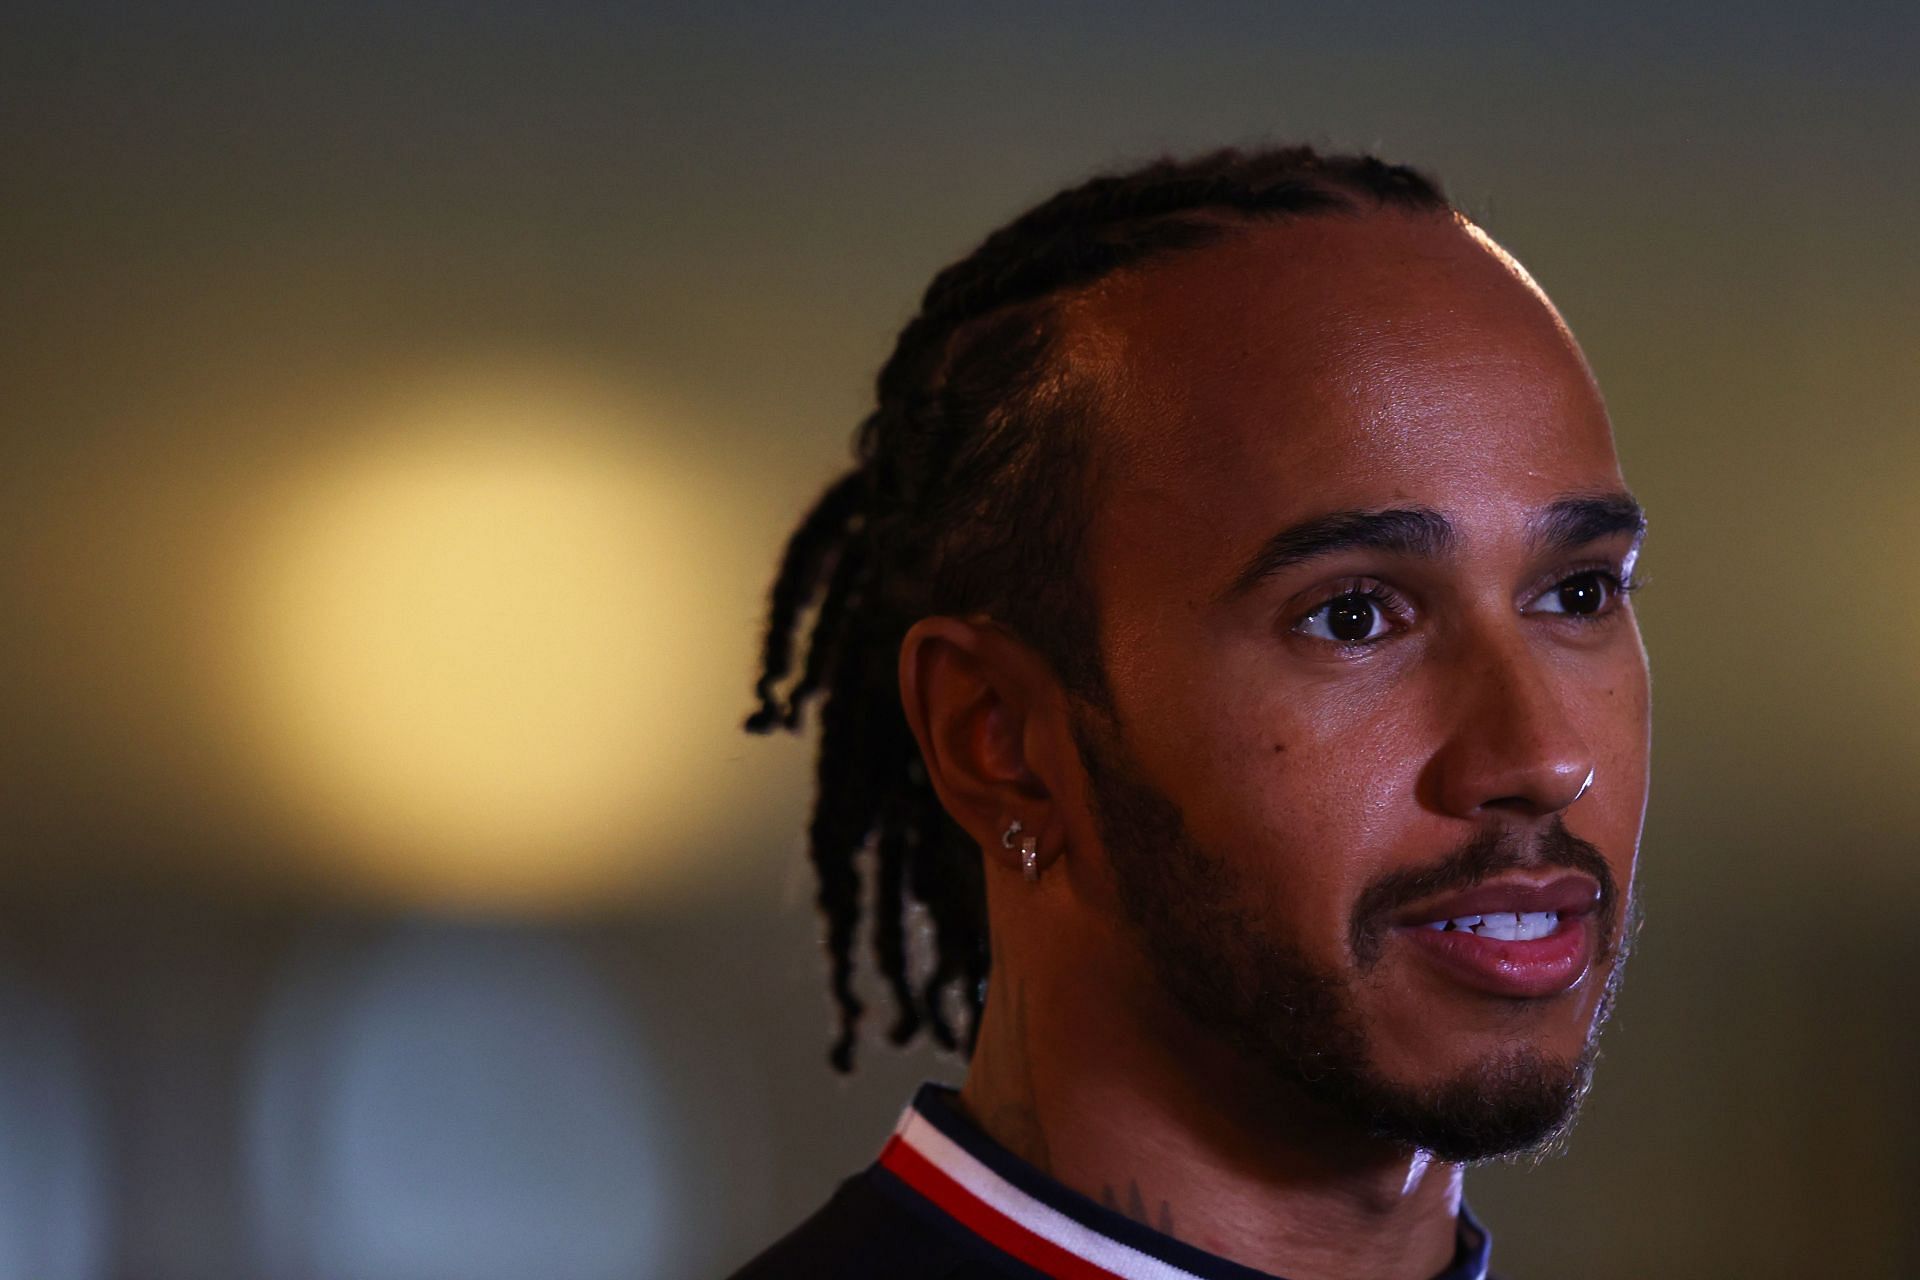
<point>1514,804</point>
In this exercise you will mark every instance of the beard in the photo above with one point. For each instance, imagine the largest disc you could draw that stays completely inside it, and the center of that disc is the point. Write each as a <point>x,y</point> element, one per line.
<point>1228,971</point>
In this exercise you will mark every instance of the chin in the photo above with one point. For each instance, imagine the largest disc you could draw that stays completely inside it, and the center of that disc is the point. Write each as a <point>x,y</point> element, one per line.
<point>1491,1096</point>
<point>1505,1083</point>
<point>1517,1104</point>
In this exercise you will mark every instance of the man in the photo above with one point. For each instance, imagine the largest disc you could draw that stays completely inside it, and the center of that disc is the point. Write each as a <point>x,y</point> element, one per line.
<point>1228,618</point>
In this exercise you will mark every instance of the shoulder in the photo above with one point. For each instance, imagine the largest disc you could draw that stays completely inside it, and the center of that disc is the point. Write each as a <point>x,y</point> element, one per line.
<point>872,1229</point>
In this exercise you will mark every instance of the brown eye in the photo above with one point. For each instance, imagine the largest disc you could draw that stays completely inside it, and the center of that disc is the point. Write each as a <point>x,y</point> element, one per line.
<point>1352,618</point>
<point>1584,594</point>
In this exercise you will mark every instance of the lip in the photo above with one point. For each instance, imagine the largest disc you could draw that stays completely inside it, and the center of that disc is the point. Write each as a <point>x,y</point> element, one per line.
<point>1531,970</point>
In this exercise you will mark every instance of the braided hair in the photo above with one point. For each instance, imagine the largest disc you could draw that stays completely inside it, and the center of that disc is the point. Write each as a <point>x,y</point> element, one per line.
<point>971,494</point>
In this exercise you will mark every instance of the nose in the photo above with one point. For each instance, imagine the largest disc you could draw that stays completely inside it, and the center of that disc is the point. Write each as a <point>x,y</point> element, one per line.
<point>1510,743</point>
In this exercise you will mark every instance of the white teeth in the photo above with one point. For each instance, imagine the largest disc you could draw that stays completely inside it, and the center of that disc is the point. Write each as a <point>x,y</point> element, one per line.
<point>1537,924</point>
<point>1504,926</point>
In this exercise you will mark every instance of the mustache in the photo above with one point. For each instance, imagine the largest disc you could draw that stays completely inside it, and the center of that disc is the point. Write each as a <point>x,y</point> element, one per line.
<point>1488,853</point>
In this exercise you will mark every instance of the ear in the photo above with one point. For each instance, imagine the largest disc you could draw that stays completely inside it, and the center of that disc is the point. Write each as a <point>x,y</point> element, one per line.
<point>984,708</point>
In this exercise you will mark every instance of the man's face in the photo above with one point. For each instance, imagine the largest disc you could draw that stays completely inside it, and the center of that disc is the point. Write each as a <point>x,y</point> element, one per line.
<point>1358,547</point>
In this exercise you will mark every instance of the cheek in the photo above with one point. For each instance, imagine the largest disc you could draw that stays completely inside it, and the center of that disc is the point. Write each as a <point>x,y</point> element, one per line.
<point>1309,792</point>
<point>1614,808</point>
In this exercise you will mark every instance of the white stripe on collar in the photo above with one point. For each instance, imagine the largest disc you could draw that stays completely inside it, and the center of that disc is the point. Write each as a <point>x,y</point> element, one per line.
<point>996,1195</point>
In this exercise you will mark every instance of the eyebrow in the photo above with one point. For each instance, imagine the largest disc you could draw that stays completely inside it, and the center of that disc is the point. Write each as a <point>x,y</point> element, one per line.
<point>1565,523</point>
<point>1577,519</point>
<point>1407,531</point>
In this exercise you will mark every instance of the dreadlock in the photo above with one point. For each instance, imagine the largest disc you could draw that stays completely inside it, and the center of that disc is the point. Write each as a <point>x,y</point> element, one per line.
<point>971,494</point>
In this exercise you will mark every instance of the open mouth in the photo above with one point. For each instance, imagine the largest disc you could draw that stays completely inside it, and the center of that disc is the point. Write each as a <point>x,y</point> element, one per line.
<point>1513,938</point>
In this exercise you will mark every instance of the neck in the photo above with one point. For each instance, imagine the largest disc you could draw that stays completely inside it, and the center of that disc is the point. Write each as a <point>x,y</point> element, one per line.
<point>1170,1128</point>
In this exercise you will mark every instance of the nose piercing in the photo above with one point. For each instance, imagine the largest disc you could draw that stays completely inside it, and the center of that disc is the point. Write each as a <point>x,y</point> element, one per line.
<point>1584,785</point>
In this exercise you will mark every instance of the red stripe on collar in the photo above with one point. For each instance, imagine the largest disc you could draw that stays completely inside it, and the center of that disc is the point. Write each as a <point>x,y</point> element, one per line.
<point>981,1218</point>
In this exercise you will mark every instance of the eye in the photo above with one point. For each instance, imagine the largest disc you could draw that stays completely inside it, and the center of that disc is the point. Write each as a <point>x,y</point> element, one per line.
<point>1350,618</point>
<point>1582,595</point>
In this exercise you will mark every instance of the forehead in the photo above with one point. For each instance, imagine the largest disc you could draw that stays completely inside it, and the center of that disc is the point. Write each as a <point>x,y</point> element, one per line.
<point>1334,363</point>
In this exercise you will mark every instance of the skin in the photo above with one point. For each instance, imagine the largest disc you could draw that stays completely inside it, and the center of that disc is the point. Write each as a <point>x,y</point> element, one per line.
<point>1386,360</point>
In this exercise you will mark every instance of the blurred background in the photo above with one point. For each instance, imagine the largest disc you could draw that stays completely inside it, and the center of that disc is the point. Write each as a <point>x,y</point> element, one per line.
<point>404,407</point>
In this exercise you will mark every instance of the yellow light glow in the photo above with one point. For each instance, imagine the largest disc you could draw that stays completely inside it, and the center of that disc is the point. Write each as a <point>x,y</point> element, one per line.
<point>480,644</point>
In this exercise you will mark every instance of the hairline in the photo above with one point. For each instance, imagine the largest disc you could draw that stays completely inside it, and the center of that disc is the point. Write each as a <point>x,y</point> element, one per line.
<point>1071,369</point>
